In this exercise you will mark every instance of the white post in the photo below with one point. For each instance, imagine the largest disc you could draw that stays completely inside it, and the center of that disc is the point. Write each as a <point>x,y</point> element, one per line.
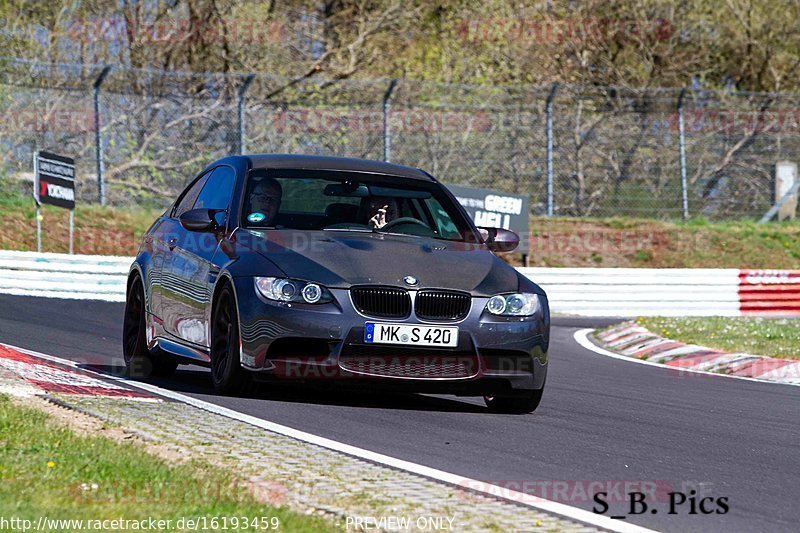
<point>36,199</point>
<point>549,133</point>
<point>71,229</point>
<point>387,132</point>
<point>242,90</point>
<point>38,229</point>
<point>682,153</point>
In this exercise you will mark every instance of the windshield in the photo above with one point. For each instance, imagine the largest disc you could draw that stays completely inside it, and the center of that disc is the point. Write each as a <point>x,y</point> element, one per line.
<point>336,201</point>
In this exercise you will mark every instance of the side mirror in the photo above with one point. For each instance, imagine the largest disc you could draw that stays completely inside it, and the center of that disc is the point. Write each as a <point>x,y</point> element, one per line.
<point>500,240</point>
<point>199,219</point>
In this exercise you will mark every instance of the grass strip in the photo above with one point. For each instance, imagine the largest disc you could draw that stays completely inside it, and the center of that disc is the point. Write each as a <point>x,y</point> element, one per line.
<point>48,470</point>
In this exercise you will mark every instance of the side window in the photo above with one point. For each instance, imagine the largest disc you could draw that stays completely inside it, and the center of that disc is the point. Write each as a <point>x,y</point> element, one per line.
<point>404,209</point>
<point>445,226</point>
<point>218,189</point>
<point>189,197</point>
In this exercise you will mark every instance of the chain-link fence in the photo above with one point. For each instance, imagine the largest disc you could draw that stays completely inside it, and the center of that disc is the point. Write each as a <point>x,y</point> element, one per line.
<point>577,151</point>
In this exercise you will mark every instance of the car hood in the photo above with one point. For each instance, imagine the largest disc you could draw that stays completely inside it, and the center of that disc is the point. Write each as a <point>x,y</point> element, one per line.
<point>341,259</point>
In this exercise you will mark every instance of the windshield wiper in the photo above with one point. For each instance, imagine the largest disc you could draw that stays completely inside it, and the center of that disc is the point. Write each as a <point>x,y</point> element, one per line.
<point>359,230</point>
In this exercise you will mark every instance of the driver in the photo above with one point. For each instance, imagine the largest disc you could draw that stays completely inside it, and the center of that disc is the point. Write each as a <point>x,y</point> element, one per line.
<point>265,200</point>
<point>380,210</point>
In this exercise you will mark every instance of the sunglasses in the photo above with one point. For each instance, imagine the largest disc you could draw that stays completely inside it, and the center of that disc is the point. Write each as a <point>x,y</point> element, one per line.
<point>264,197</point>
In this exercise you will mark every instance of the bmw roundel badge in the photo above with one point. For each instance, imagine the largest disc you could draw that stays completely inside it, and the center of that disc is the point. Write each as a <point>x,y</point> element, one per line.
<point>410,280</point>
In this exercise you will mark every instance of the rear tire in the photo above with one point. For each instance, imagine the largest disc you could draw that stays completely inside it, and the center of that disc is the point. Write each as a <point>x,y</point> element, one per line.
<point>227,374</point>
<point>139,361</point>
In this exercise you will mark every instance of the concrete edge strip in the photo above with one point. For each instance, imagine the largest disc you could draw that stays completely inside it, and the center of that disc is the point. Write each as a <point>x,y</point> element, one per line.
<point>494,491</point>
<point>67,295</point>
<point>582,337</point>
<point>53,378</point>
<point>762,367</point>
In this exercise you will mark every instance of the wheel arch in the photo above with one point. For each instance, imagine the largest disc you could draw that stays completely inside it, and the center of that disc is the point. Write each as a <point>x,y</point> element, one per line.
<point>138,269</point>
<point>134,273</point>
<point>224,280</point>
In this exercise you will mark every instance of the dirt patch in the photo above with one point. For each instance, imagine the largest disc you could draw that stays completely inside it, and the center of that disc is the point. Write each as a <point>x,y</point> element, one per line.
<point>101,231</point>
<point>86,425</point>
<point>653,244</point>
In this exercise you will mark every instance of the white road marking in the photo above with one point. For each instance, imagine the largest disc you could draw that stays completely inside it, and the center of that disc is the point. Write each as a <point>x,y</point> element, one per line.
<point>559,509</point>
<point>582,337</point>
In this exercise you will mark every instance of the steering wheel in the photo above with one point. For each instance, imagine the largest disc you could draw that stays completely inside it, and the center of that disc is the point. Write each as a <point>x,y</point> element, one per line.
<point>403,220</point>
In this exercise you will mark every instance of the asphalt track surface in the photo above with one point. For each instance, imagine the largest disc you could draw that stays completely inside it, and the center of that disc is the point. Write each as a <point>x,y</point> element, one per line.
<point>601,420</point>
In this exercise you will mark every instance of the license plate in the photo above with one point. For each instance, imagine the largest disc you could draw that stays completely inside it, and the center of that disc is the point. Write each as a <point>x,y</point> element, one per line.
<point>411,334</point>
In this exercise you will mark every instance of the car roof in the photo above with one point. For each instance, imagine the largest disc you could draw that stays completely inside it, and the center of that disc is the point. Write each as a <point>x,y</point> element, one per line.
<point>315,162</point>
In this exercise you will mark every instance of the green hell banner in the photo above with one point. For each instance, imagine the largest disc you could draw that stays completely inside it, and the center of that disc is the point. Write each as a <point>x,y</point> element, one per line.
<point>496,209</point>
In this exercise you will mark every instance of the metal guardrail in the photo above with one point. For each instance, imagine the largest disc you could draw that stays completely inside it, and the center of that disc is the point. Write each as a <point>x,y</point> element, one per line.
<point>639,291</point>
<point>82,277</point>
<point>575,291</point>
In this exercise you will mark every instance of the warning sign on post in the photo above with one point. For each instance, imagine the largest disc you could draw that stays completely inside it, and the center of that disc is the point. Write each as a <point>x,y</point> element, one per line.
<point>54,180</point>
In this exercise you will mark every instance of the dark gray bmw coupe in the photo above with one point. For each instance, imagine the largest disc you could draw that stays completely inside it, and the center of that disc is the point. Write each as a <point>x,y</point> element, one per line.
<point>284,267</point>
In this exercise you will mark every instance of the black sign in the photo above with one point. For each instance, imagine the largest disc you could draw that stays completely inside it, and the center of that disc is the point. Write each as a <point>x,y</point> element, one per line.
<point>496,209</point>
<point>54,180</point>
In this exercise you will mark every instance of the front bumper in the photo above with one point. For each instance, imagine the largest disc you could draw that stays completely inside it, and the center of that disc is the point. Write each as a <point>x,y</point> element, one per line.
<point>326,342</point>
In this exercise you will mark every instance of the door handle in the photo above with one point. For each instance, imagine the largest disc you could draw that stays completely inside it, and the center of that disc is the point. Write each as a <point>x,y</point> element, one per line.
<point>172,243</point>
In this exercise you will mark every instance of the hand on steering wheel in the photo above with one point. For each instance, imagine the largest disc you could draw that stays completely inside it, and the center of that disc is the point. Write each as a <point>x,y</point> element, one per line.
<point>379,220</point>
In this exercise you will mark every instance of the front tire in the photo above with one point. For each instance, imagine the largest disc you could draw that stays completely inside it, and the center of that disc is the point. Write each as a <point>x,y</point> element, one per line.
<point>227,374</point>
<point>140,362</point>
<point>519,403</point>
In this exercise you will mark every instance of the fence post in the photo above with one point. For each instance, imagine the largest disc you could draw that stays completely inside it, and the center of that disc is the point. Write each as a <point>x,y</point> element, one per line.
<point>682,148</point>
<point>549,126</point>
<point>36,199</point>
<point>387,133</point>
<point>242,90</point>
<point>101,184</point>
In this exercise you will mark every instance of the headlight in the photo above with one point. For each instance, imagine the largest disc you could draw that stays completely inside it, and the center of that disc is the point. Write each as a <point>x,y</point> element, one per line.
<point>312,293</point>
<point>291,290</point>
<point>519,304</point>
